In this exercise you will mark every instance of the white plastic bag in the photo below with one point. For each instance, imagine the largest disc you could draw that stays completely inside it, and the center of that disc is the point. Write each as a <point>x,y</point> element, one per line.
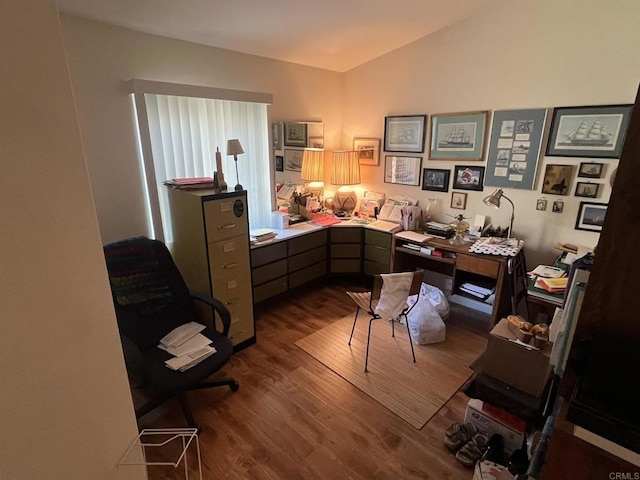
<point>425,324</point>
<point>435,296</point>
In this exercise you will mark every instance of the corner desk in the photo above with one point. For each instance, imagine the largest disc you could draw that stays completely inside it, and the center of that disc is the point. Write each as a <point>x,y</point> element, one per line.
<point>308,251</point>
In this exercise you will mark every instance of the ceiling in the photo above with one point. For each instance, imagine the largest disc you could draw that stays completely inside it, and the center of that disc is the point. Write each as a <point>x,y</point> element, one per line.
<point>331,34</point>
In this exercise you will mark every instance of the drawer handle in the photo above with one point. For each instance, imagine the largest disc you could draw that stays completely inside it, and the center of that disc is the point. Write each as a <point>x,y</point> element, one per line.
<point>232,301</point>
<point>227,226</point>
<point>231,265</point>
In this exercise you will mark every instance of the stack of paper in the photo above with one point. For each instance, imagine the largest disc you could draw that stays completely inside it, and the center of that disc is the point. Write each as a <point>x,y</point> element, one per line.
<point>187,345</point>
<point>483,293</point>
<point>385,226</point>
<point>261,235</point>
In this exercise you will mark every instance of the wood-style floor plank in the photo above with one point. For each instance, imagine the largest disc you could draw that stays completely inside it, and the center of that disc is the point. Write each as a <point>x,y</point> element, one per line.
<point>293,418</point>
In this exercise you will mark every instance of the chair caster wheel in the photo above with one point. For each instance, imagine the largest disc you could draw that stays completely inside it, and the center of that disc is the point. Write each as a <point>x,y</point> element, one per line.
<point>234,386</point>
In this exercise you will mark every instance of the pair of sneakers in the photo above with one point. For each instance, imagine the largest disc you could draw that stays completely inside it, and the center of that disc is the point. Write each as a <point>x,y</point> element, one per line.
<point>467,442</point>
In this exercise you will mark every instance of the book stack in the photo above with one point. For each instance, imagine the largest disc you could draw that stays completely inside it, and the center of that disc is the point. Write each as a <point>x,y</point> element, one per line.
<point>552,285</point>
<point>187,345</point>
<point>262,235</point>
<point>440,230</point>
<point>385,226</point>
<point>486,294</point>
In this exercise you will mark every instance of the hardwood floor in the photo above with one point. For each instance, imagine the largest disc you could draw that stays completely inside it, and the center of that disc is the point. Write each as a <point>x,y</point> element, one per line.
<point>293,418</point>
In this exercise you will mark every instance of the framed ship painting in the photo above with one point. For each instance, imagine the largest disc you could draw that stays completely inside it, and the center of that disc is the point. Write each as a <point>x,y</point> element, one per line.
<point>514,148</point>
<point>591,132</point>
<point>458,136</point>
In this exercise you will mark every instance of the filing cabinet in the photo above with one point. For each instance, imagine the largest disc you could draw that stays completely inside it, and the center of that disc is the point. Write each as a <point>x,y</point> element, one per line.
<point>211,248</point>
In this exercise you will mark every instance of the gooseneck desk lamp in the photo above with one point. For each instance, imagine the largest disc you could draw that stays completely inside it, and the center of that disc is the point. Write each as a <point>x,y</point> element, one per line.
<point>493,201</point>
<point>234,148</point>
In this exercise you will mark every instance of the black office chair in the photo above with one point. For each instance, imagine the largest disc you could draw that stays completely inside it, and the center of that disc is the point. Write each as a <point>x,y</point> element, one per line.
<point>151,299</point>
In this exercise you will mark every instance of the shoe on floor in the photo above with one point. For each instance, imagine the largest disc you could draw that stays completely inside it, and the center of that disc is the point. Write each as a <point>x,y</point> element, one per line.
<point>458,434</point>
<point>473,450</point>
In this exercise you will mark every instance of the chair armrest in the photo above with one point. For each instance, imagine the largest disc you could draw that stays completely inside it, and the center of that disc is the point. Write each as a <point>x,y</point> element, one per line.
<point>133,359</point>
<point>216,306</point>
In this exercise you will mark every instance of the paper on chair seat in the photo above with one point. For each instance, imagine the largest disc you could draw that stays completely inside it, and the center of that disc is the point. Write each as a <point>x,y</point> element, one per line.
<point>194,344</point>
<point>181,334</point>
<point>187,361</point>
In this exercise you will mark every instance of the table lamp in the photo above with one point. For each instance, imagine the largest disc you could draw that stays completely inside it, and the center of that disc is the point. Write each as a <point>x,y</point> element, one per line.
<point>345,171</point>
<point>313,170</point>
<point>234,148</point>
<point>493,201</point>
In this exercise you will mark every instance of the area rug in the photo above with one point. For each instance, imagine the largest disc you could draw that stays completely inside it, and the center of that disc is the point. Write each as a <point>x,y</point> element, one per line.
<point>413,391</point>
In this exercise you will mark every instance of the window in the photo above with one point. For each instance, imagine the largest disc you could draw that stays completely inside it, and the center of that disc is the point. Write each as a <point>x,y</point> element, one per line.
<point>179,137</point>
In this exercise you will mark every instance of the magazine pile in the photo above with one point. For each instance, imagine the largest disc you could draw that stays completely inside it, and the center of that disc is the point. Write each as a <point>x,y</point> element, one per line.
<point>187,345</point>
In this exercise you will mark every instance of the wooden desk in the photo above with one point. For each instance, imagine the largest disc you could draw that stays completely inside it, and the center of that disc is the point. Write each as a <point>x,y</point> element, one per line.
<point>460,266</point>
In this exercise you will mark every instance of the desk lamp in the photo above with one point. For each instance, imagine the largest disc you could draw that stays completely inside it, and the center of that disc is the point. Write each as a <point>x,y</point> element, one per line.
<point>345,171</point>
<point>313,170</point>
<point>234,148</point>
<point>493,201</point>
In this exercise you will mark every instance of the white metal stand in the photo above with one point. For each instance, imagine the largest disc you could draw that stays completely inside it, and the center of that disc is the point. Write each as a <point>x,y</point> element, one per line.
<point>159,438</point>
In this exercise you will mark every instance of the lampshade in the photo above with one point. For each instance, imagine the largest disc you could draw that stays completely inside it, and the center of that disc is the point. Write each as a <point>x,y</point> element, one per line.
<point>493,201</point>
<point>234,147</point>
<point>313,165</point>
<point>345,168</point>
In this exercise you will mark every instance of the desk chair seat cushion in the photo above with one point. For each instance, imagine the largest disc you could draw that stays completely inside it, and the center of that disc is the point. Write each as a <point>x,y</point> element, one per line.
<point>162,380</point>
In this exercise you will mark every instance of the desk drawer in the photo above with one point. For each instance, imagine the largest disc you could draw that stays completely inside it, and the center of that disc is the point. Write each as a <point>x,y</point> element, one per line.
<point>345,234</point>
<point>270,289</point>
<point>377,254</point>
<point>345,251</point>
<point>379,239</point>
<point>307,274</point>
<point>481,266</point>
<point>316,255</point>
<point>347,265</point>
<point>269,272</point>
<point>268,253</point>
<point>307,242</point>
<point>374,268</point>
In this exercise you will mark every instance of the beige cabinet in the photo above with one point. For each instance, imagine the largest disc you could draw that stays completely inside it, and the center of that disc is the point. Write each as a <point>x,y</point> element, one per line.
<point>211,248</point>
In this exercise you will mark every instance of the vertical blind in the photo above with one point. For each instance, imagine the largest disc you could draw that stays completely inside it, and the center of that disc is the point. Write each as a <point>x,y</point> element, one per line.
<point>184,134</point>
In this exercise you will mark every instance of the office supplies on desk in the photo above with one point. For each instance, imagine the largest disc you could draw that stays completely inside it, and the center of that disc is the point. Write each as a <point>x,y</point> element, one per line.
<point>413,236</point>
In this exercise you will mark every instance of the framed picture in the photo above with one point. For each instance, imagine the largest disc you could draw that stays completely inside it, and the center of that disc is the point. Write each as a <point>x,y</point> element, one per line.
<point>592,132</point>
<point>467,177</point>
<point>435,179</point>
<point>587,189</point>
<point>558,206</point>
<point>404,133</point>
<point>459,200</point>
<point>277,135</point>
<point>557,179</point>
<point>316,142</point>
<point>402,170</point>
<point>293,160</point>
<point>514,148</point>
<point>368,150</point>
<point>541,204</point>
<point>279,163</point>
<point>458,136</point>
<point>295,134</point>
<point>591,216</point>
<point>590,170</point>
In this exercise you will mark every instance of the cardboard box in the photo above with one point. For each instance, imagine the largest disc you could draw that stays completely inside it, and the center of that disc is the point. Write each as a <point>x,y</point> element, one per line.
<point>521,366</point>
<point>483,420</point>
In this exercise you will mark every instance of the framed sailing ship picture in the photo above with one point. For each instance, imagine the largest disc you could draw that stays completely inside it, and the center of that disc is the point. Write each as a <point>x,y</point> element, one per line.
<point>458,136</point>
<point>404,133</point>
<point>402,170</point>
<point>592,132</point>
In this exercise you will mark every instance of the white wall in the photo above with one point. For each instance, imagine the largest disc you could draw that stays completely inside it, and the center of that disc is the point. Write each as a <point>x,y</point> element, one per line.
<point>523,54</point>
<point>65,405</point>
<point>102,58</point>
